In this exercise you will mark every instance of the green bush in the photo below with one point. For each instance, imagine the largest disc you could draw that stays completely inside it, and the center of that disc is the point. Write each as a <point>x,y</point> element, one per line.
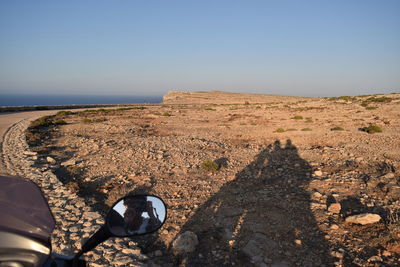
<point>344,97</point>
<point>372,129</point>
<point>306,129</point>
<point>59,122</point>
<point>280,130</point>
<point>337,128</point>
<point>382,99</point>
<point>87,120</point>
<point>47,121</point>
<point>371,108</point>
<point>166,114</point>
<point>297,117</point>
<point>209,165</point>
<point>64,113</point>
<point>44,121</point>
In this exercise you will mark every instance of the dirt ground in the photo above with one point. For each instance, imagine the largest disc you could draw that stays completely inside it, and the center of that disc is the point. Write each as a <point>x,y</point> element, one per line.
<point>290,171</point>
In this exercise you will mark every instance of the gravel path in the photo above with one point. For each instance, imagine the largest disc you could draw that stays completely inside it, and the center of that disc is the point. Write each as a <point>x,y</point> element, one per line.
<point>74,220</point>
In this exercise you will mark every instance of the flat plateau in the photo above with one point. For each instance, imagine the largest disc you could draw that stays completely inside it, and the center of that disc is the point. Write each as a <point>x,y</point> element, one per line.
<point>290,171</point>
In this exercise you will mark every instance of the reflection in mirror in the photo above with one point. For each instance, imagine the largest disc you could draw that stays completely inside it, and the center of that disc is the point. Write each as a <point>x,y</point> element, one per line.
<point>136,215</point>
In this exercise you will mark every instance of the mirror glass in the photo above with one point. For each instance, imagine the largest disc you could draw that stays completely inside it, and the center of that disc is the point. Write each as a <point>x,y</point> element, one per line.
<point>136,215</point>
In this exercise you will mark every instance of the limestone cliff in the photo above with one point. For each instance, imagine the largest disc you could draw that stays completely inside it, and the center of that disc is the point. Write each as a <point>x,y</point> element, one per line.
<point>221,97</point>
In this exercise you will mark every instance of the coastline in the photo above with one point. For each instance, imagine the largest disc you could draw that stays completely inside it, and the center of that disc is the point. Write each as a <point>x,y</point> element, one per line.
<point>26,102</point>
<point>4,109</point>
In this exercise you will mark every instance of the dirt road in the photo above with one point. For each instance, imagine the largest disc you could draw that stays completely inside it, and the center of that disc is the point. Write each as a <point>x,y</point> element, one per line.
<point>9,119</point>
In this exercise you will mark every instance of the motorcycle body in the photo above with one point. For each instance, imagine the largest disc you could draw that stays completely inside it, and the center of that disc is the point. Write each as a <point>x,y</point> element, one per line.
<point>26,224</point>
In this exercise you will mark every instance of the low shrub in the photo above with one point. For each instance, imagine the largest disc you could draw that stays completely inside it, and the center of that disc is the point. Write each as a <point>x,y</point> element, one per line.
<point>306,129</point>
<point>297,117</point>
<point>64,113</point>
<point>372,129</point>
<point>87,120</point>
<point>209,165</point>
<point>382,99</point>
<point>166,114</point>
<point>371,108</point>
<point>280,130</point>
<point>337,128</point>
<point>44,121</point>
<point>59,122</point>
<point>47,121</point>
<point>344,98</point>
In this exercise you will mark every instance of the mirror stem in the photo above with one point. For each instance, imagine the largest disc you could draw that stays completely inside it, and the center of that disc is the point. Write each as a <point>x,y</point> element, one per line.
<point>100,236</point>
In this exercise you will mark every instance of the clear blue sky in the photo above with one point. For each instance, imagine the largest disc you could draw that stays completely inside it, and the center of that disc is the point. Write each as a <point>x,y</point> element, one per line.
<point>127,47</point>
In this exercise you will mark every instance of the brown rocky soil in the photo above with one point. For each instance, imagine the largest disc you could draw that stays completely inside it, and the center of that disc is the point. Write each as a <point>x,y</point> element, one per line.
<point>286,180</point>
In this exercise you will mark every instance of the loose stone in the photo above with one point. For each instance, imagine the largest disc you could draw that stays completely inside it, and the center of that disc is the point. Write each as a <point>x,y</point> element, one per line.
<point>363,219</point>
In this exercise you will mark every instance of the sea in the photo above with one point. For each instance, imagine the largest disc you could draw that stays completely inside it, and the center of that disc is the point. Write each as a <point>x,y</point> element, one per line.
<point>50,100</point>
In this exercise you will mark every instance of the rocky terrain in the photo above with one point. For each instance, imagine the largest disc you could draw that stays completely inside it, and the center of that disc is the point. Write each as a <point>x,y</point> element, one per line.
<point>75,221</point>
<point>248,179</point>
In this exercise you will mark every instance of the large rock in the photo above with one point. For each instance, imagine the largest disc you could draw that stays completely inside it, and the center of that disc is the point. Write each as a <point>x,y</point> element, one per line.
<point>365,218</point>
<point>185,243</point>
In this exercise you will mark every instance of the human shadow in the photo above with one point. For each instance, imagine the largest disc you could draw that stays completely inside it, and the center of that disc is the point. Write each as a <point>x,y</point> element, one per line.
<point>261,217</point>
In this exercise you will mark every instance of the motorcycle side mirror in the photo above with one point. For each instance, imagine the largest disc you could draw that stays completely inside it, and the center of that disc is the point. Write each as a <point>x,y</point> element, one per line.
<point>136,215</point>
<point>130,216</point>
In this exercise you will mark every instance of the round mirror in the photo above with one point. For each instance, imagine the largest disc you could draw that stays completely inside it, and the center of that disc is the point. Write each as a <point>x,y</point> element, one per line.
<point>136,215</point>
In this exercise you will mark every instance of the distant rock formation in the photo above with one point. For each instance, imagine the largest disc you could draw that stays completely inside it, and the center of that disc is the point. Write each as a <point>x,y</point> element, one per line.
<point>174,95</point>
<point>221,97</point>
